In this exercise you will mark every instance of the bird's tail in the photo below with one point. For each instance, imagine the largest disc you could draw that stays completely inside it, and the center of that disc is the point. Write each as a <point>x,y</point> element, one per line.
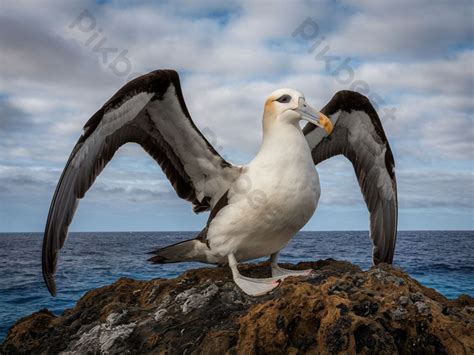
<point>189,250</point>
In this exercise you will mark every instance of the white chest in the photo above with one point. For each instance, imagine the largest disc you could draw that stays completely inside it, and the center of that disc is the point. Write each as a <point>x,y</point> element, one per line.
<point>273,199</point>
<point>289,186</point>
<point>284,178</point>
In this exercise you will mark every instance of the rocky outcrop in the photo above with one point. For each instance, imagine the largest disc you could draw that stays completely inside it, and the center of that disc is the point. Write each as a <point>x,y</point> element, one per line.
<point>340,309</point>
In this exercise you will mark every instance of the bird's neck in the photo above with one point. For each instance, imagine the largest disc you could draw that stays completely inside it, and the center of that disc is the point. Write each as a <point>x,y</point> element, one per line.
<point>281,136</point>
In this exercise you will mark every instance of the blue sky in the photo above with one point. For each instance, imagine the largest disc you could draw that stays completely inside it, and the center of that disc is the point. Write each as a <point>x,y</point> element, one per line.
<point>414,58</point>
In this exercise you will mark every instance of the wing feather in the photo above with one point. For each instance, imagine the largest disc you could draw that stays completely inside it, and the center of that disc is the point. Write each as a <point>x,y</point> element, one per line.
<point>150,111</point>
<point>358,135</point>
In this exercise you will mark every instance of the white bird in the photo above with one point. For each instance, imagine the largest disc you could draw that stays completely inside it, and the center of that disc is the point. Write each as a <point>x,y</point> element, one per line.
<point>256,209</point>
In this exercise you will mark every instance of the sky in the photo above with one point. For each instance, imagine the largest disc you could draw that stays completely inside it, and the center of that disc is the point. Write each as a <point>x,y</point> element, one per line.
<point>414,60</point>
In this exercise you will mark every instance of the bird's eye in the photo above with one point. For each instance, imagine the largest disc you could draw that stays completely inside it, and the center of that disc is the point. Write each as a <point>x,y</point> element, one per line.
<point>284,98</point>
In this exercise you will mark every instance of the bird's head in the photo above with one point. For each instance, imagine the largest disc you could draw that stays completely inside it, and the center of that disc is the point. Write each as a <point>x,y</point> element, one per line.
<point>288,105</point>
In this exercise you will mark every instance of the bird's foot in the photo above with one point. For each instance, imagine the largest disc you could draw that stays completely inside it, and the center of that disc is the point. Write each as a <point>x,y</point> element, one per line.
<point>278,271</point>
<point>257,287</point>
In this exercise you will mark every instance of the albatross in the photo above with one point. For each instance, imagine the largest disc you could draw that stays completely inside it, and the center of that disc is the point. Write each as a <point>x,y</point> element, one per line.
<point>255,209</point>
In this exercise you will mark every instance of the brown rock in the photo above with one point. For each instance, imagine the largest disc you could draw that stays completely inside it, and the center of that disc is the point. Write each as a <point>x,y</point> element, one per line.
<point>340,309</point>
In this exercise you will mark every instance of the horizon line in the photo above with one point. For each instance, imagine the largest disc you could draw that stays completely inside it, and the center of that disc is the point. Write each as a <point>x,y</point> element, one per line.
<point>197,231</point>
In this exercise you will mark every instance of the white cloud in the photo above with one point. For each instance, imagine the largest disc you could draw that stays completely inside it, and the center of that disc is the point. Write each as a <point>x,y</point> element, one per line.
<point>403,29</point>
<point>450,76</point>
<point>451,136</point>
<point>231,56</point>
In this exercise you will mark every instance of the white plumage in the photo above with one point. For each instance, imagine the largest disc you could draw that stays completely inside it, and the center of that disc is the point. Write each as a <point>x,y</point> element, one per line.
<point>279,191</point>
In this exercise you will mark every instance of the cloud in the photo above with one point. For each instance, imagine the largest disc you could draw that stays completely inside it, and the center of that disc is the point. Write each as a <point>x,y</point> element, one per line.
<point>430,188</point>
<point>451,76</point>
<point>451,137</point>
<point>11,117</point>
<point>404,30</point>
<point>416,56</point>
<point>436,189</point>
<point>34,54</point>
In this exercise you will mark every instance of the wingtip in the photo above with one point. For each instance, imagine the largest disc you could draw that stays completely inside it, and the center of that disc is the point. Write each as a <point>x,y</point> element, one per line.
<point>157,259</point>
<point>50,284</point>
<point>52,292</point>
<point>387,259</point>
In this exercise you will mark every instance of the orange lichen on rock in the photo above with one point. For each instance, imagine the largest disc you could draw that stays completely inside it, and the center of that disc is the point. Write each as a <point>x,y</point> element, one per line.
<point>340,309</point>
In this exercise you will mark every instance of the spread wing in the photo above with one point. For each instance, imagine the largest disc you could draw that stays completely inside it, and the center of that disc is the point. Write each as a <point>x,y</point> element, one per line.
<point>359,136</point>
<point>150,111</point>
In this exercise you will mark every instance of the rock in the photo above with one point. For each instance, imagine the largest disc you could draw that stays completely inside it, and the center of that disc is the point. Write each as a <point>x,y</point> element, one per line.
<point>423,308</point>
<point>103,337</point>
<point>404,300</point>
<point>339,309</point>
<point>399,314</point>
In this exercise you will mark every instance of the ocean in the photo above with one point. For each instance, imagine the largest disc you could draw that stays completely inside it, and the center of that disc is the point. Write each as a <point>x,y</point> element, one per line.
<point>443,260</point>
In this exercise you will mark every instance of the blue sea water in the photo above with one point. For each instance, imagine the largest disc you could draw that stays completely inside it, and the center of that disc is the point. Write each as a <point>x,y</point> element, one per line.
<point>439,259</point>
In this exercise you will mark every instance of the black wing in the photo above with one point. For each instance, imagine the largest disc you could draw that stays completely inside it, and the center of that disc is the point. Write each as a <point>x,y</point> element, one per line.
<point>359,136</point>
<point>150,111</point>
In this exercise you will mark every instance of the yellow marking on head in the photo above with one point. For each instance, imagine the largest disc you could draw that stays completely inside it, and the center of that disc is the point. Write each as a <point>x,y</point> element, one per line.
<point>269,109</point>
<point>269,102</point>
